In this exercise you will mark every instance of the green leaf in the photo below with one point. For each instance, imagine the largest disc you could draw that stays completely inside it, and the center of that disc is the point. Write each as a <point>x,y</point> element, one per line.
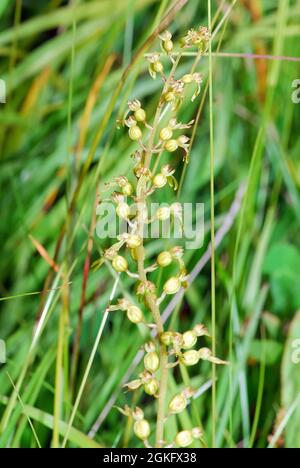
<point>291,383</point>
<point>282,265</point>
<point>267,351</point>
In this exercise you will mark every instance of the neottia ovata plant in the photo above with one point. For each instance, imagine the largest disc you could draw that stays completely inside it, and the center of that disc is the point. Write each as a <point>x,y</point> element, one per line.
<point>164,349</point>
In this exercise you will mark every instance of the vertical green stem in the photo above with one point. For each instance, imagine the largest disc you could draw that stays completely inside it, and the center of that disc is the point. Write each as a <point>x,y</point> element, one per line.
<point>213,266</point>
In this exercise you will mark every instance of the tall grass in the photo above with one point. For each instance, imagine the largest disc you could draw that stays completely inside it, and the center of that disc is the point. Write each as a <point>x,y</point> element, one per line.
<point>70,70</point>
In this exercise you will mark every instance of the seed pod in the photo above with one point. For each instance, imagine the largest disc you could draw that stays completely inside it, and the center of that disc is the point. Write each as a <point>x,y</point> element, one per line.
<point>184,438</point>
<point>134,314</point>
<point>151,387</point>
<point>133,241</point>
<point>164,259</point>
<point>120,264</point>
<point>140,115</point>
<point>127,190</point>
<point>141,429</point>
<point>171,146</point>
<point>189,339</point>
<point>151,362</point>
<point>160,181</point>
<point>166,338</point>
<point>163,213</point>
<point>177,404</point>
<point>190,358</point>
<point>123,210</point>
<point>135,133</point>
<point>166,134</point>
<point>172,286</point>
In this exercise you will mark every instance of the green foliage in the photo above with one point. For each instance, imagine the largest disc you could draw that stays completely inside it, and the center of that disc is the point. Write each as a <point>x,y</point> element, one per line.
<point>65,68</point>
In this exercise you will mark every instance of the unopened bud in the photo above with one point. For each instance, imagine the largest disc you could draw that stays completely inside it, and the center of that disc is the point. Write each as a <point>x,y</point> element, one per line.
<point>123,210</point>
<point>120,264</point>
<point>163,213</point>
<point>177,404</point>
<point>166,134</point>
<point>151,387</point>
<point>135,133</point>
<point>166,338</point>
<point>168,46</point>
<point>189,339</point>
<point>158,67</point>
<point>127,190</point>
<point>187,79</point>
<point>133,241</point>
<point>197,432</point>
<point>140,115</point>
<point>151,362</point>
<point>164,259</point>
<point>190,358</point>
<point>184,438</point>
<point>172,286</point>
<point>171,145</point>
<point>160,181</point>
<point>134,314</point>
<point>141,429</point>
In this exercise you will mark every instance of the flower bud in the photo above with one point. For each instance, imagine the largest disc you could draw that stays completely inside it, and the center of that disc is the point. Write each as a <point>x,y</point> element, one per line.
<point>123,210</point>
<point>166,134</point>
<point>166,338</point>
<point>141,429</point>
<point>151,362</point>
<point>134,314</point>
<point>140,115</point>
<point>127,190</point>
<point>133,241</point>
<point>120,264</point>
<point>151,386</point>
<point>189,339</point>
<point>163,213</point>
<point>160,181</point>
<point>171,146</point>
<point>177,404</point>
<point>190,358</point>
<point>172,286</point>
<point>135,133</point>
<point>184,438</point>
<point>164,259</point>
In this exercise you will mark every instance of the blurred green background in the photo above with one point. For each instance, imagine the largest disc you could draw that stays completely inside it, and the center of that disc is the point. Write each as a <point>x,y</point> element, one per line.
<point>63,64</point>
